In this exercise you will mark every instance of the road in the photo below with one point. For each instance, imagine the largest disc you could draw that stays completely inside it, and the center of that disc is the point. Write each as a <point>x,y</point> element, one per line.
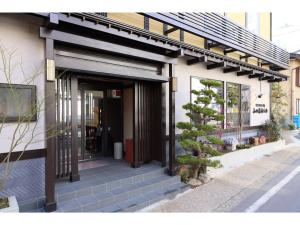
<point>280,194</point>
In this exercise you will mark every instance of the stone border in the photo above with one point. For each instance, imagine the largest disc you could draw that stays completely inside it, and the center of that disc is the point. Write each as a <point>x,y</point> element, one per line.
<point>240,157</point>
<point>13,205</point>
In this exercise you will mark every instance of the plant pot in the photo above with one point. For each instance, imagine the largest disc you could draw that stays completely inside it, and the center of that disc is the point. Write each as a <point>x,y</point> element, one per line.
<point>230,147</point>
<point>13,205</point>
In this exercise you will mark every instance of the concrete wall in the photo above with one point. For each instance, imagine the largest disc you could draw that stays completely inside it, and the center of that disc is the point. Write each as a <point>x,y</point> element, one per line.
<point>184,73</point>
<point>20,33</point>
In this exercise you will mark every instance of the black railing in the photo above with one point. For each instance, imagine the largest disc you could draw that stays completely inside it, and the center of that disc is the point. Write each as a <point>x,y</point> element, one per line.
<point>219,29</point>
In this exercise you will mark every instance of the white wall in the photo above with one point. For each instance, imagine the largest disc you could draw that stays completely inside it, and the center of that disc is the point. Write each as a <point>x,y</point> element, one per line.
<point>182,96</point>
<point>21,33</point>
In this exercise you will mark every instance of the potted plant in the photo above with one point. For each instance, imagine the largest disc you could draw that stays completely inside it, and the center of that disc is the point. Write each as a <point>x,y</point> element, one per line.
<point>231,143</point>
<point>197,135</point>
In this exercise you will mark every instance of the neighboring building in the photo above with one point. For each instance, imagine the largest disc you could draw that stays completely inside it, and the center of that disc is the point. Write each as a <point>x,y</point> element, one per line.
<point>292,89</point>
<point>123,77</point>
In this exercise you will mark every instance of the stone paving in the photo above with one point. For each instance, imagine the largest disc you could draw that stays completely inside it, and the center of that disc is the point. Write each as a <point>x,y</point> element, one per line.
<point>227,191</point>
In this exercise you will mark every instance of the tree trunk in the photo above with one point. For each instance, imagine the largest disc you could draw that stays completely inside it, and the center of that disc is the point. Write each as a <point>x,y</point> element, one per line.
<point>195,172</point>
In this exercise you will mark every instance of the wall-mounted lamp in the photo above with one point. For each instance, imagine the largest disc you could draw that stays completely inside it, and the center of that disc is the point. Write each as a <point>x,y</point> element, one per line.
<point>50,67</point>
<point>174,84</point>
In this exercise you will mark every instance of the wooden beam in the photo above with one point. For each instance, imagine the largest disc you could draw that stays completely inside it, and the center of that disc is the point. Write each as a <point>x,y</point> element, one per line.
<point>266,78</point>
<point>245,56</point>
<point>163,125</point>
<point>172,140</point>
<point>176,54</point>
<point>170,30</point>
<point>103,45</point>
<point>213,45</point>
<point>50,167</point>
<point>275,80</point>
<point>229,50</point>
<point>197,60</point>
<point>216,65</point>
<point>245,72</point>
<point>136,150</point>
<point>256,75</point>
<point>232,69</point>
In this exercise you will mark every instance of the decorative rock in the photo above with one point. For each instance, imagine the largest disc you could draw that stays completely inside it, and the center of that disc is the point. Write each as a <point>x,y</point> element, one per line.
<point>194,183</point>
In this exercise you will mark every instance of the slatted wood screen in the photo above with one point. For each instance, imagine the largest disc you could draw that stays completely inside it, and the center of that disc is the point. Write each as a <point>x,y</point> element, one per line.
<point>148,128</point>
<point>63,122</point>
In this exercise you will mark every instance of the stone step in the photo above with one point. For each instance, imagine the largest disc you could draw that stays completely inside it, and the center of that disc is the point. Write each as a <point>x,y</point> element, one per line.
<point>111,182</point>
<point>146,199</point>
<point>100,199</point>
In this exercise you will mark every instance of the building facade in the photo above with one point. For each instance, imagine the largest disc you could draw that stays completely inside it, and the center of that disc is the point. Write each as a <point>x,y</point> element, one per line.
<point>110,78</point>
<point>291,90</point>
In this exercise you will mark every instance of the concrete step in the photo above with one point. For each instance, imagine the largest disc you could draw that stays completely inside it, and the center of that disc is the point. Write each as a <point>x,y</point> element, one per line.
<point>90,202</point>
<point>101,183</point>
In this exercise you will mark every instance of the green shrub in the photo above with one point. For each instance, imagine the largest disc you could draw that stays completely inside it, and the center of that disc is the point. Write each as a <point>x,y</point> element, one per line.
<point>292,126</point>
<point>272,129</point>
<point>201,114</point>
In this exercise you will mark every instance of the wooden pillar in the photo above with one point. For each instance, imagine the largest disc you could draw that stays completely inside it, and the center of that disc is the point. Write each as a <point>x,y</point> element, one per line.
<point>50,204</point>
<point>163,124</point>
<point>74,133</point>
<point>172,149</point>
<point>136,149</point>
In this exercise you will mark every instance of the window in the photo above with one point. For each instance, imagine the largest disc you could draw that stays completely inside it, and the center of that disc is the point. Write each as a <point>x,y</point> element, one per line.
<point>196,85</point>
<point>233,105</point>
<point>245,105</point>
<point>17,102</point>
<point>297,106</point>
<point>238,105</point>
<point>253,22</point>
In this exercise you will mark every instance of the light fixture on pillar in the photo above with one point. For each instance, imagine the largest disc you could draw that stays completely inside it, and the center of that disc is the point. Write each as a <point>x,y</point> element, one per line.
<point>174,84</point>
<point>50,69</point>
<point>260,94</point>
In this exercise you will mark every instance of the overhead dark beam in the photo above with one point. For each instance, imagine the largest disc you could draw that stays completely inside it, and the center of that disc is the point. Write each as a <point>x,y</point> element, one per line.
<point>229,50</point>
<point>245,72</point>
<point>53,20</point>
<point>275,80</point>
<point>102,45</point>
<point>213,45</point>
<point>245,56</point>
<point>265,63</point>
<point>197,60</point>
<point>170,30</point>
<point>176,54</point>
<point>256,75</point>
<point>232,69</point>
<point>216,65</point>
<point>266,78</point>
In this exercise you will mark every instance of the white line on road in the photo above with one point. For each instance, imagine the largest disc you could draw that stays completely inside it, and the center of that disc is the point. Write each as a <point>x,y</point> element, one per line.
<point>266,197</point>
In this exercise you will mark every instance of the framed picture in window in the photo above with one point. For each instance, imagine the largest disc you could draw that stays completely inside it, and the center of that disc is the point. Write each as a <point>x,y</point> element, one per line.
<point>17,103</point>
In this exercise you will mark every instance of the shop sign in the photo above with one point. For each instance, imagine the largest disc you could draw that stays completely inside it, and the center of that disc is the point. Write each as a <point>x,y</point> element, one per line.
<point>260,108</point>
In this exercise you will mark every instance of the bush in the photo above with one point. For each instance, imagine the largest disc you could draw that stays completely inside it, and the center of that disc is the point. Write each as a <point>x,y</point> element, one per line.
<point>272,129</point>
<point>292,126</point>
<point>196,137</point>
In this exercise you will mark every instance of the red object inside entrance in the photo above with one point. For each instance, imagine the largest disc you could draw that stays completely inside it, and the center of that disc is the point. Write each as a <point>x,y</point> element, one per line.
<point>129,150</point>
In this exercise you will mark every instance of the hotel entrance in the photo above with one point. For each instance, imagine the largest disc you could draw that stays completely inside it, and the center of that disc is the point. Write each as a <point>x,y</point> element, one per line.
<point>99,118</point>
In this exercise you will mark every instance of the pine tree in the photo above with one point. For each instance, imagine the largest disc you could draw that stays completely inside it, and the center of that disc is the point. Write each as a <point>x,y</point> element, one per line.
<point>196,137</point>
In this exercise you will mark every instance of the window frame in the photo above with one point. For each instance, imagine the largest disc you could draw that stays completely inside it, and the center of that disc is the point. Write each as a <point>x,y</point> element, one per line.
<point>33,100</point>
